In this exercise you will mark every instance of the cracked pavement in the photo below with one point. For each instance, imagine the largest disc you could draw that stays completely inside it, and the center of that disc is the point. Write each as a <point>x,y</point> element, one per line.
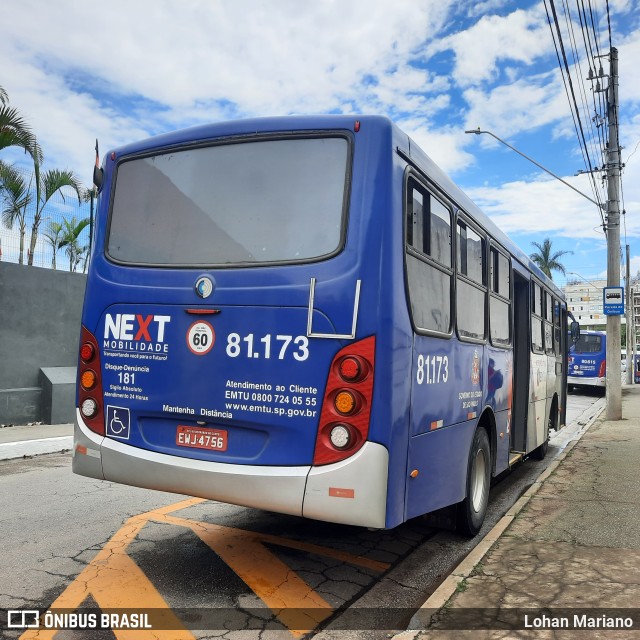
<point>574,547</point>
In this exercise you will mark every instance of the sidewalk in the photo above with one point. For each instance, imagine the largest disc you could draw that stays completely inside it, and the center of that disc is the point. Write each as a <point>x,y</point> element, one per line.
<point>566,556</point>
<point>33,440</point>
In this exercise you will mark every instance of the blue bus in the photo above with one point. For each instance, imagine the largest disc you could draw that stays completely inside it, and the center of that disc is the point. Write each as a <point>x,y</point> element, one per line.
<point>588,360</point>
<point>305,315</point>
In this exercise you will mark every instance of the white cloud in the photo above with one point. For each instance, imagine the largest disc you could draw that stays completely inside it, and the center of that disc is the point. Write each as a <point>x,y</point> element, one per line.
<point>129,70</point>
<point>266,58</point>
<point>523,105</point>
<point>541,206</point>
<point>521,36</point>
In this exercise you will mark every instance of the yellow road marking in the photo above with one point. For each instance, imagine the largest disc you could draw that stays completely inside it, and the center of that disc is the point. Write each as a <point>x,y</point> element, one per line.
<point>115,582</point>
<point>293,601</point>
<point>327,552</point>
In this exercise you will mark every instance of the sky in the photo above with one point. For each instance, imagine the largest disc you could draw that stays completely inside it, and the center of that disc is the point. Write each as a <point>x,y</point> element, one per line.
<point>122,71</point>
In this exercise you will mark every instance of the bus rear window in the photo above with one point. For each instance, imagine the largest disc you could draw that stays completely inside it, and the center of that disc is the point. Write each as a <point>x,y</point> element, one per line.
<point>588,344</point>
<point>243,203</point>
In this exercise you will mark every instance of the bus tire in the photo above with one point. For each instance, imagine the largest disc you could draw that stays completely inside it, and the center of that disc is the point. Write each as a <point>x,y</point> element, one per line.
<point>472,510</point>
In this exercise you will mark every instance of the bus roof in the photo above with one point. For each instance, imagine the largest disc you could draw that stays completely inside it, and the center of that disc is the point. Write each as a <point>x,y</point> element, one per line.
<point>401,140</point>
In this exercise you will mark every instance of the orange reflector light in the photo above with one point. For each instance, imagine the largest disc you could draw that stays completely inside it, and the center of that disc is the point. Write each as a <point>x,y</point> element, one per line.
<point>87,351</point>
<point>338,492</point>
<point>345,402</point>
<point>88,380</point>
<point>80,448</point>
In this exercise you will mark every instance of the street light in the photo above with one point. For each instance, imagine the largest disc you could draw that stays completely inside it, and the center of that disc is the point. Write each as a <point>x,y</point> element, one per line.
<point>593,284</point>
<point>478,131</point>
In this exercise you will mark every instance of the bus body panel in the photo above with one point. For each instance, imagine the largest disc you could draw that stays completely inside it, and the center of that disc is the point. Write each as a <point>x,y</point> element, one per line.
<point>353,491</point>
<point>538,405</point>
<point>350,492</point>
<point>241,371</point>
<point>440,457</point>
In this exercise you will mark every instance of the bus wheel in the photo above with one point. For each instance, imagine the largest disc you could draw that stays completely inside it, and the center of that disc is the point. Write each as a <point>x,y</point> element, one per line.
<point>472,509</point>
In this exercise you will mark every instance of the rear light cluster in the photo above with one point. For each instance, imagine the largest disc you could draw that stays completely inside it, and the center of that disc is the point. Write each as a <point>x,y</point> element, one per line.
<point>90,383</point>
<point>603,369</point>
<point>346,409</point>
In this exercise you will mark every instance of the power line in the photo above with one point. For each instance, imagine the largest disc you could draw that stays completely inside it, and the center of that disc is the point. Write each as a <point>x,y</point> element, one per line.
<point>576,63</point>
<point>609,24</point>
<point>571,96</point>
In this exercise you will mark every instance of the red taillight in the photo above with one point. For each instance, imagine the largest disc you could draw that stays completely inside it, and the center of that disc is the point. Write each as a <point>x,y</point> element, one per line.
<point>603,369</point>
<point>90,383</point>
<point>87,352</point>
<point>352,368</point>
<point>346,409</point>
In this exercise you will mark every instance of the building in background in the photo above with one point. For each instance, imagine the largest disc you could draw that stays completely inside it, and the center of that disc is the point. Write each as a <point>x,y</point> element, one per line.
<point>584,300</point>
<point>635,298</point>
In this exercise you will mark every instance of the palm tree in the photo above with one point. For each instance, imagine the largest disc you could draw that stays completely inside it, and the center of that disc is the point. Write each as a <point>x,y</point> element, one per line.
<point>16,197</point>
<point>47,184</point>
<point>14,131</point>
<point>55,237</point>
<point>71,230</point>
<point>546,259</point>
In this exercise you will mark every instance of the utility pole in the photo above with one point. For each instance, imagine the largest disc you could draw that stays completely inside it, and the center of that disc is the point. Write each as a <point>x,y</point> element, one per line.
<point>630,321</point>
<point>614,385</point>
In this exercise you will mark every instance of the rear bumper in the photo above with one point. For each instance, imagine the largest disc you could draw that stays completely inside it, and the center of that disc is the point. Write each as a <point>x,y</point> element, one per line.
<point>353,491</point>
<point>587,382</point>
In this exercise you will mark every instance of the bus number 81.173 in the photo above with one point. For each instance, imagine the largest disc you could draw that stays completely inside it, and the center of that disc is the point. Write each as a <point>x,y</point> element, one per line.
<point>432,369</point>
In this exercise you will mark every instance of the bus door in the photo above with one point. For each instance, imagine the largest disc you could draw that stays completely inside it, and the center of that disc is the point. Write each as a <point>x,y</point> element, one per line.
<point>564,349</point>
<point>522,363</point>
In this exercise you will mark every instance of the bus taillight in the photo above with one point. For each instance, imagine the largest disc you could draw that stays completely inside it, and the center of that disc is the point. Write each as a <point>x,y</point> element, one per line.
<point>90,383</point>
<point>352,368</point>
<point>603,369</point>
<point>346,410</point>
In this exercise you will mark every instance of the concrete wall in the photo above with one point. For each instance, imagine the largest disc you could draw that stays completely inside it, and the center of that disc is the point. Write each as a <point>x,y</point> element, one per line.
<point>40,311</point>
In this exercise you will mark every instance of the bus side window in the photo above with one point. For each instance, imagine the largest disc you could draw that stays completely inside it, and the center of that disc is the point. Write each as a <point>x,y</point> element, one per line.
<point>537,333</point>
<point>548,323</point>
<point>500,300</point>
<point>428,260</point>
<point>471,287</point>
<point>556,326</point>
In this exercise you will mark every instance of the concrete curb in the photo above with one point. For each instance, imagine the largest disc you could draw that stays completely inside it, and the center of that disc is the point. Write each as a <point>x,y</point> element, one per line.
<point>448,588</point>
<point>39,446</point>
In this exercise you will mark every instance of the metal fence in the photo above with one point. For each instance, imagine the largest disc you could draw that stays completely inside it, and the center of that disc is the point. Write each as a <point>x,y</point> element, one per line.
<point>60,216</point>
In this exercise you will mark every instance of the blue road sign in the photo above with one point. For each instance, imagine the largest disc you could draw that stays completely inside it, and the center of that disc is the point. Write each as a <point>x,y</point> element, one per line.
<point>613,301</point>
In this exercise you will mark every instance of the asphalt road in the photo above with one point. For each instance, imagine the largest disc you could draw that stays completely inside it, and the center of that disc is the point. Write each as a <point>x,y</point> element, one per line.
<point>69,541</point>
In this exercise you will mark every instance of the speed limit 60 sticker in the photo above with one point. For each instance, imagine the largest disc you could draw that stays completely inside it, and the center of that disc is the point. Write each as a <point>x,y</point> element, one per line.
<point>200,338</point>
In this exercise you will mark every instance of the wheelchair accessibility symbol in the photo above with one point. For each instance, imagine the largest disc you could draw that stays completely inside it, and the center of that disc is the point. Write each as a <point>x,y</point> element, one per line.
<point>118,422</point>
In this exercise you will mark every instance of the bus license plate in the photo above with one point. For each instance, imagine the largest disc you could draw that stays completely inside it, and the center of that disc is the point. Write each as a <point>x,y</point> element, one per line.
<point>211,439</point>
